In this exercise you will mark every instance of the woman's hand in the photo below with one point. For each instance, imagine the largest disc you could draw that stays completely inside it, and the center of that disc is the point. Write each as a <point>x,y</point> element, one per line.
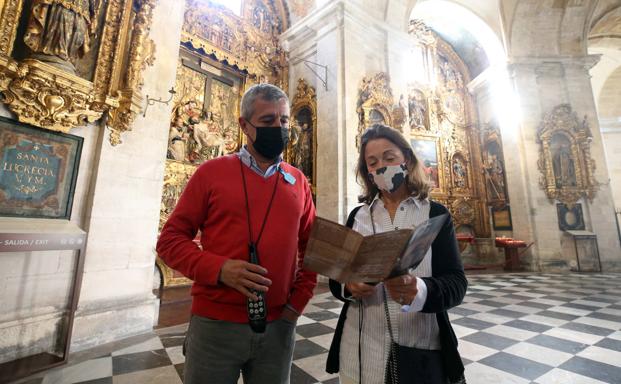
<point>360,290</point>
<point>402,289</point>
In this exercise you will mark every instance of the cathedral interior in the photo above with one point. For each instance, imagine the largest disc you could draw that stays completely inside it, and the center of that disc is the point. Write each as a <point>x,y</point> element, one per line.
<point>109,107</point>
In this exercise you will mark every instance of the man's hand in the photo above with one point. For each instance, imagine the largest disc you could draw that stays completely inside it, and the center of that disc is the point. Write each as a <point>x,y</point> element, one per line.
<point>360,290</point>
<point>244,276</point>
<point>402,289</point>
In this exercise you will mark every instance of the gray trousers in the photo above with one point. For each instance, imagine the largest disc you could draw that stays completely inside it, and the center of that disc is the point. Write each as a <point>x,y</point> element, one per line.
<point>216,351</point>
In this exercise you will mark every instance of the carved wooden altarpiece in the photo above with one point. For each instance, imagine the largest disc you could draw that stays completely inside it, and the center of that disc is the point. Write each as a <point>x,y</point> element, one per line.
<point>567,169</point>
<point>87,62</point>
<point>302,148</point>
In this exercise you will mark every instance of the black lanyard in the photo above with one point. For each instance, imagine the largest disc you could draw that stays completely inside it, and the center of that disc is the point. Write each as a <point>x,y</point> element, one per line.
<point>255,245</point>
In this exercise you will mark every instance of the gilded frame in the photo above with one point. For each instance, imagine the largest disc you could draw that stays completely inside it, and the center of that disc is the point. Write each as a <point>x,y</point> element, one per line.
<point>374,94</point>
<point>422,144</point>
<point>52,98</point>
<point>306,97</point>
<point>47,190</point>
<point>562,125</point>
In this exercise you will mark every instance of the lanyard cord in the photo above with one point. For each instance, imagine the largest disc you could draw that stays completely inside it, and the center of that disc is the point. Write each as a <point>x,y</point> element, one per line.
<point>269,207</point>
<point>361,317</point>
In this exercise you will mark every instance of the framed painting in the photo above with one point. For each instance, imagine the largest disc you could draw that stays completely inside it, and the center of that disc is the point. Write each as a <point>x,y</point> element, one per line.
<point>570,218</point>
<point>38,171</point>
<point>427,152</point>
<point>501,218</point>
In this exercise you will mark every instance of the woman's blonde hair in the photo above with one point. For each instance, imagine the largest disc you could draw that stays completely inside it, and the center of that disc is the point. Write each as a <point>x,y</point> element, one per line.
<point>416,181</point>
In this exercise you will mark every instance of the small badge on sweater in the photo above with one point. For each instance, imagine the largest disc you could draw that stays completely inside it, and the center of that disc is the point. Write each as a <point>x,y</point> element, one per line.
<point>289,178</point>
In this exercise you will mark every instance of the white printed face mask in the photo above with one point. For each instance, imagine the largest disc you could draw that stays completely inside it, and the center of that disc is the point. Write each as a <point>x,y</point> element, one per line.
<point>389,178</point>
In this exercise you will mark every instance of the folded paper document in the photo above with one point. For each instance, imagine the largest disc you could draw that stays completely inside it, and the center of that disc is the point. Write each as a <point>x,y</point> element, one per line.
<point>345,255</point>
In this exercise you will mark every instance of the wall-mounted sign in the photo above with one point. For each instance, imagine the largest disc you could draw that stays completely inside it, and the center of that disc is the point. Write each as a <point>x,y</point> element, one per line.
<point>38,171</point>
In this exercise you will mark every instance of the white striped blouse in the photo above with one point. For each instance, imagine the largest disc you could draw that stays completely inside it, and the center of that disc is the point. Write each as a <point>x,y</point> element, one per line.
<point>412,329</point>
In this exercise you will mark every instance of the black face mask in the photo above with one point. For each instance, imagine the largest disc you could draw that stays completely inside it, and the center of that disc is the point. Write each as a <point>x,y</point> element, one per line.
<point>270,141</point>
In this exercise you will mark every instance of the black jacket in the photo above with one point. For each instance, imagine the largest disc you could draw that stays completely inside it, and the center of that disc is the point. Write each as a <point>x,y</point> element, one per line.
<point>446,288</point>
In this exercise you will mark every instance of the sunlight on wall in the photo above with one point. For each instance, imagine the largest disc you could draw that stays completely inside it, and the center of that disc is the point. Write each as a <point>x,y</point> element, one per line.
<point>454,16</point>
<point>233,5</point>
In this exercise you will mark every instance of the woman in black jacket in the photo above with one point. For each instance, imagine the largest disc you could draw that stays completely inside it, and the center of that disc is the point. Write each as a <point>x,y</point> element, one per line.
<point>398,331</point>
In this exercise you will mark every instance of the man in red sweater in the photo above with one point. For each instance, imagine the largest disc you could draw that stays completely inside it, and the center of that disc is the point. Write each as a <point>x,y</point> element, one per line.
<point>254,212</point>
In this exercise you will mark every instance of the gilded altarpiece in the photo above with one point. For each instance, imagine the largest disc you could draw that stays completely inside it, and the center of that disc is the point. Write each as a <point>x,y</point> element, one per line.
<point>567,169</point>
<point>302,149</point>
<point>375,103</point>
<point>221,55</point>
<point>66,63</point>
<point>444,133</point>
<point>494,165</point>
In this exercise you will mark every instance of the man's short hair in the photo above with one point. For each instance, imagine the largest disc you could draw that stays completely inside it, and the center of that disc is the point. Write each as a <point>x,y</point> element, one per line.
<point>266,92</point>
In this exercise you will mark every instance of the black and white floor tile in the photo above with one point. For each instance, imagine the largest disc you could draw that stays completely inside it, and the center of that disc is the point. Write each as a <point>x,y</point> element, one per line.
<point>513,328</point>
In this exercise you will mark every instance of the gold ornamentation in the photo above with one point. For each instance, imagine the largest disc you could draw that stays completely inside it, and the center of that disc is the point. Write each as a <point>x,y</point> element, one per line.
<point>441,111</point>
<point>247,43</point>
<point>463,212</point>
<point>43,95</point>
<point>565,157</point>
<point>493,165</point>
<point>53,97</point>
<point>375,102</point>
<point>176,176</point>
<point>421,32</point>
<point>141,54</point>
<point>302,150</point>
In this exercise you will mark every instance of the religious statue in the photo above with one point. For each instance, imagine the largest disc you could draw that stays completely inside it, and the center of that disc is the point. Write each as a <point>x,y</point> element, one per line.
<point>58,31</point>
<point>177,141</point>
<point>563,166</point>
<point>451,78</point>
<point>460,177</point>
<point>431,171</point>
<point>494,176</point>
<point>417,110</point>
<point>304,152</point>
<point>208,143</point>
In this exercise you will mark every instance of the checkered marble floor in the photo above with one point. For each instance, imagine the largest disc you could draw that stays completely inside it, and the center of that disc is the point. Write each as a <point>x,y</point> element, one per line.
<point>513,328</point>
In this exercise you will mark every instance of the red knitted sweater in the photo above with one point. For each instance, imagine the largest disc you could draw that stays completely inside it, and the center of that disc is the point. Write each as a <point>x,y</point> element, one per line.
<point>214,203</point>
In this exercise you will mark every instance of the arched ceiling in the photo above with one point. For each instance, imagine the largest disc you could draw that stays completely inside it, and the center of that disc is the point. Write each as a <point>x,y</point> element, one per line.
<point>547,27</point>
<point>605,40</point>
<point>471,27</point>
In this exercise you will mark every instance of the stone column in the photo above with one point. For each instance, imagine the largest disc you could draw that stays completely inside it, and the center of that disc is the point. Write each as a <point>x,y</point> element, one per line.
<point>122,215</point>
<point>351,42</point>
<point>542,84</point>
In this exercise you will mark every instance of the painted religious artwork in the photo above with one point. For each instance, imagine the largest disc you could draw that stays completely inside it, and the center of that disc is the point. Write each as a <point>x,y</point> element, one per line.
<point>460,172</point>
<point>302,142</point>
<point>222,106</point>
<point>565,162</point>
<point>262,18</point>
<point>493,168</point>
<point>203,124</point>
<point>450,77</point>
<point>38,171</point>
<point>563,165</point>
<point>374,103</point>
<point>176,176</point>
<point>417,110</point>
<point>570,218</point>
<point>427,153</point>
